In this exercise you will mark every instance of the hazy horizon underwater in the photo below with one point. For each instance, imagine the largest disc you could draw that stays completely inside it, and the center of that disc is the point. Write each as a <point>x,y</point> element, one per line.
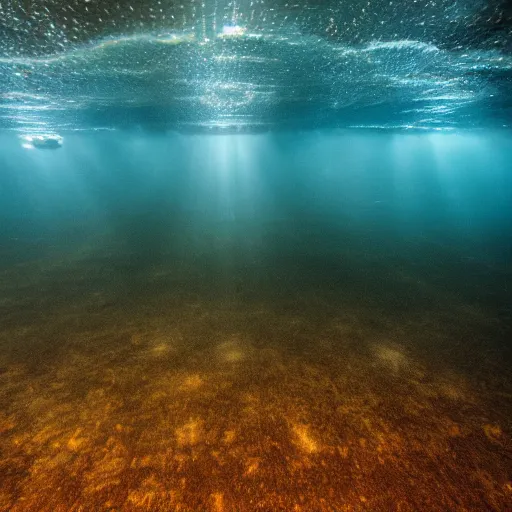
<point>255,256</point>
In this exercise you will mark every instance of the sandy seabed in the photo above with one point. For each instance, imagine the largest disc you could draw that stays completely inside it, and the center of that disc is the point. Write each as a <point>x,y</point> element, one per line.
<point>158,397</point>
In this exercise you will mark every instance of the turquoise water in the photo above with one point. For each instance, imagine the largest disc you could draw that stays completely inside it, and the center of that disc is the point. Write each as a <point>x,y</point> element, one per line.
<point>255,256</point>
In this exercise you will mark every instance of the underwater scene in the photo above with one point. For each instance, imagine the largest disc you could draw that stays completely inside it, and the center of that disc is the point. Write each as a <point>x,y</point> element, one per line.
<point>255,255</point>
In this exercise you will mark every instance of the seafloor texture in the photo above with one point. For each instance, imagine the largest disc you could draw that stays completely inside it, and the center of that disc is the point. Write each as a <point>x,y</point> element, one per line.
<point>352,381</point>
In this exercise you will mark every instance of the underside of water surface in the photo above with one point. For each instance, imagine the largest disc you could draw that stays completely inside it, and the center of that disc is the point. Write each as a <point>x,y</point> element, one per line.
<point>255,256</point>
<point>255,66</point>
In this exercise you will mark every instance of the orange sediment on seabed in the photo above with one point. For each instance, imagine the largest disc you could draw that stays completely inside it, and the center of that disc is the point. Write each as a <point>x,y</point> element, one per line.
<point>227,422</point>
<point>304,440</point>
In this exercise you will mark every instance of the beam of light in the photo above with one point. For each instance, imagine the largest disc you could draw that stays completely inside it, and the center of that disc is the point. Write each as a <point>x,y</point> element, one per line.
<point>461,160</point>
<point>449,182</point>
<point>227,174</point>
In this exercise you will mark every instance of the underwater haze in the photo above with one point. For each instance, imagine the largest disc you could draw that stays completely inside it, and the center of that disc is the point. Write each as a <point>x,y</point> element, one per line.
<point>255,256</point>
